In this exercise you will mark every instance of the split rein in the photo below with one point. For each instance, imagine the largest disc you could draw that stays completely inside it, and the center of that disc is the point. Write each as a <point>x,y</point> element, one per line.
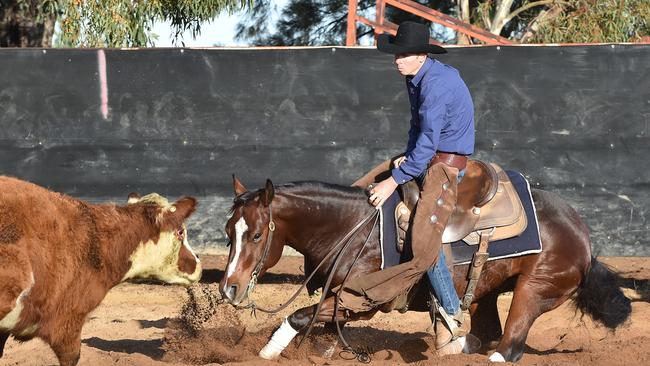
<point>339,248</point>
<point>267,247</point>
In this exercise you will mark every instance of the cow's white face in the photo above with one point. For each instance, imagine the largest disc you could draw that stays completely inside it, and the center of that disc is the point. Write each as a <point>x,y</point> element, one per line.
<point>169,259</point>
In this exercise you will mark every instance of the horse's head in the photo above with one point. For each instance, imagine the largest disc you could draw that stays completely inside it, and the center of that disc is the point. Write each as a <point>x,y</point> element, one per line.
<point>250,231</point>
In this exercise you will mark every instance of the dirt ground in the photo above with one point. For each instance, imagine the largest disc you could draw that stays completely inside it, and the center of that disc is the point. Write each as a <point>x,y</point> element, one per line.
<point>137,324</point>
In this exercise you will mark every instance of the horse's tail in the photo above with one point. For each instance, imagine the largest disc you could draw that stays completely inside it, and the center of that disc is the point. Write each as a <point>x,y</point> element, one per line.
<point>599,295</point>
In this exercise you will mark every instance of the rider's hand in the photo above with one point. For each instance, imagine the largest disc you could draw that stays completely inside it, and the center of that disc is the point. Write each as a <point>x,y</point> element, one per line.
<point>399,161</point>
<point>380,193</point>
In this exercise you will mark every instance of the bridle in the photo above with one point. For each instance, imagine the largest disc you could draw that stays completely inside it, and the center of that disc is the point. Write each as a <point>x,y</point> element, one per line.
<point>265,254</point>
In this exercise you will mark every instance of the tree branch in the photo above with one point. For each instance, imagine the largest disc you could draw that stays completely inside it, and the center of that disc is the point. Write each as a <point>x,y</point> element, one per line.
<point>531,5</point>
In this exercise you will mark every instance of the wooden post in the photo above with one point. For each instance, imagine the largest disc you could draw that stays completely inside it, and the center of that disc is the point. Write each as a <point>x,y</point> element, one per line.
<point>380,7</point>
<point>351,35</point>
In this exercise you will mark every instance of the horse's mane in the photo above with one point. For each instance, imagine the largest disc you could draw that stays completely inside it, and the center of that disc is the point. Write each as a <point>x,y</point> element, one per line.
<point>300,187</point>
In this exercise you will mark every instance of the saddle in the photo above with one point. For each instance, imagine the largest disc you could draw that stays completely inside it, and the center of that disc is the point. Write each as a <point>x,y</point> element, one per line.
<point>487,200</point>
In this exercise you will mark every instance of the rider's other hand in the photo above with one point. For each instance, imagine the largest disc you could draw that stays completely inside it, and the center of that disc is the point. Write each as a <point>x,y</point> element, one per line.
<point>399,161</point>
<point>380,193</point>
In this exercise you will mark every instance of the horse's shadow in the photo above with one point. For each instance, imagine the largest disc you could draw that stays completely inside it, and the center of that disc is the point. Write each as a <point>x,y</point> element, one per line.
<point>151,348</point>
<point>411,347</point>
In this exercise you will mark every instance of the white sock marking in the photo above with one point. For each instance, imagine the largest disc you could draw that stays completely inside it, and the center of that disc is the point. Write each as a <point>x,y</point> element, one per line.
<point>497,357</point>
<point>279,341</point>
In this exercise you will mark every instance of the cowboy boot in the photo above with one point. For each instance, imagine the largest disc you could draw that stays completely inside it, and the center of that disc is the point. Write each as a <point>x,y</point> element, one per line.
<point>450,328</point>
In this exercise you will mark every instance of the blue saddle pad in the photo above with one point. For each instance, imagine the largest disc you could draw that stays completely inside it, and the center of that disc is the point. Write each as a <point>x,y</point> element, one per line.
<point>527,242</point>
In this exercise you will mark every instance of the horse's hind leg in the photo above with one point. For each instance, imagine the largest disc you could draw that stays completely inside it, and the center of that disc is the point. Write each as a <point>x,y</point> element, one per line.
<point>485,321</point>
<point>531,298</point>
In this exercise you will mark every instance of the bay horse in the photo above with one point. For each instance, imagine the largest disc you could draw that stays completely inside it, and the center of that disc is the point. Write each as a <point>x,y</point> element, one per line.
<point>312,217</point>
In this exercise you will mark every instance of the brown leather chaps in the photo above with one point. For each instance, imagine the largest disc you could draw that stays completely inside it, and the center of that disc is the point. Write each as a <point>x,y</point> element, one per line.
<point>437,202</point>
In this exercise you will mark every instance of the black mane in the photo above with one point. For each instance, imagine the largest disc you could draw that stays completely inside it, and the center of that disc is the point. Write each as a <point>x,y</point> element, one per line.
<point>300,187</point>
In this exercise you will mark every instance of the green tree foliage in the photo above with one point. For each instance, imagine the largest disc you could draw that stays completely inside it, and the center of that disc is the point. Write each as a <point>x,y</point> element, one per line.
<point>111,23</point>
<point>599,21</point>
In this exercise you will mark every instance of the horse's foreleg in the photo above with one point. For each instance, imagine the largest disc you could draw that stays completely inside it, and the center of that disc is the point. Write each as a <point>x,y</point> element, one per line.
<point>300,320</point>
<point>296,322</point>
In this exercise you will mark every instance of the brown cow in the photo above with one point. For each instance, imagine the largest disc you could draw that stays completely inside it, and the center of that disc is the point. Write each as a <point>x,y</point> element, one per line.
<point>59,256</point>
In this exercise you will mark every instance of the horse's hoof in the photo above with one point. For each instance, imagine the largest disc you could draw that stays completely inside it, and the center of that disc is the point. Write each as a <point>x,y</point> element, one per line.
<point>472,344</point>
<point>269,352</point>
<point>496,357</point>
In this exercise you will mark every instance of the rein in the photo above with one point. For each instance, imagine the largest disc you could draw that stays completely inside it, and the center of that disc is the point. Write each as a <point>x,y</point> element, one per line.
<point>338,248</point>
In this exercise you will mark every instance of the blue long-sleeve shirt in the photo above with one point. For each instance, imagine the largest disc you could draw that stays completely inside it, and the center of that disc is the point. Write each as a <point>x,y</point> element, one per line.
<point>442,118</point>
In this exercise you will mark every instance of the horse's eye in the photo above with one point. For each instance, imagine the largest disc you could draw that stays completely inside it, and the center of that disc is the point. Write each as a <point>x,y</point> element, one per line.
<point>228,244</point>
<point>257,237</point>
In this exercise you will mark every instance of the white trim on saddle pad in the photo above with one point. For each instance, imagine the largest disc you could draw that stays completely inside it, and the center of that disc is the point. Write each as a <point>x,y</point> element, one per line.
<point>381,236</point>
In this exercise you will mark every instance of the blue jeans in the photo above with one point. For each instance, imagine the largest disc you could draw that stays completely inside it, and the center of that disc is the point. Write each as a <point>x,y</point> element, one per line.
<point>443,285</point>
<point>441,281</point>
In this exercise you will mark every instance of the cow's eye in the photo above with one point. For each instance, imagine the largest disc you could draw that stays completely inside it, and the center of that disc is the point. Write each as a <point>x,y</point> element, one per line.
<point>257,237</point>
<point>180,234</point>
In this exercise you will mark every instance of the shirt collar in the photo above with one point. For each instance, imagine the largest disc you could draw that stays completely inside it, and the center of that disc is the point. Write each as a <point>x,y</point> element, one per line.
<point>428,63</point>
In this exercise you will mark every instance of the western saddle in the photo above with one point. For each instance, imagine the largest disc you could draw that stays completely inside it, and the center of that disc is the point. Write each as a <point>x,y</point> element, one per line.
<point>488,208</point>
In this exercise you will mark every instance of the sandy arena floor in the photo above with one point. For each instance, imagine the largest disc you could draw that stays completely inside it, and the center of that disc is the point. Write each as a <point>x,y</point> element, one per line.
<point>137,325</point>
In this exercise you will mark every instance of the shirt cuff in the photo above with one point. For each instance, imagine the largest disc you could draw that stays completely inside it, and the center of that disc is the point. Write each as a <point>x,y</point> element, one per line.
<point>399,176</point>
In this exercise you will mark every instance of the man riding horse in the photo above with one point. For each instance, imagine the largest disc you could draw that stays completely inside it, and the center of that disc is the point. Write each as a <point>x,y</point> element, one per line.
<point>441,137</point>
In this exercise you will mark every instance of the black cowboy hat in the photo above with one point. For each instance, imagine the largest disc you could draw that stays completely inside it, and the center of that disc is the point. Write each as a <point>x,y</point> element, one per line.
<point>411,37</point>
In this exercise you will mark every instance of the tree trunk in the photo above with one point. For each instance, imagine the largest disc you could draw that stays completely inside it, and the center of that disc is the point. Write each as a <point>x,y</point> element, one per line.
<point>19,28</point>
<point>503,9</point>
<point>463,12</point>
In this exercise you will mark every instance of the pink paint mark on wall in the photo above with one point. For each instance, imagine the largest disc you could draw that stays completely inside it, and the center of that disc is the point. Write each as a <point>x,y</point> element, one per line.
<point>103,87</point>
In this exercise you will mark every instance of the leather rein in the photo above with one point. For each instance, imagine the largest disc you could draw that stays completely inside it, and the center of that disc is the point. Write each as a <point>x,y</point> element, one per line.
<point>267,248</point>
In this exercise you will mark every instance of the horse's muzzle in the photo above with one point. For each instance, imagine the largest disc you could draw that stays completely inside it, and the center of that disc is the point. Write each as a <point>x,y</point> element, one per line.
<point>229,293</point>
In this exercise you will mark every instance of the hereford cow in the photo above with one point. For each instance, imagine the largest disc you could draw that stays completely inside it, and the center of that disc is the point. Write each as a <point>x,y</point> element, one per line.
<point>59,256</point>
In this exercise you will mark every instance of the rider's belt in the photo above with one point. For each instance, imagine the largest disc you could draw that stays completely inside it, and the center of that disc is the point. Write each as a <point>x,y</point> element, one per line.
<point>457,161</point>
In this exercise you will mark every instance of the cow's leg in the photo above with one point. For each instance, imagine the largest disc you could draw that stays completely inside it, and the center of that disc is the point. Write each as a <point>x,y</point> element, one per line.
<point>300,320</point>
<point>65,340</point>
<point>485,321</point>
<point>3,340</point>
<point>68,352</point>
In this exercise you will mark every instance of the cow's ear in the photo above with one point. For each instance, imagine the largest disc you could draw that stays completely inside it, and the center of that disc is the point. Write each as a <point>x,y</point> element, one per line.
<point>238,187</point>
<point>268,193</point>
<point>179,212</point>
<point>133,198</point>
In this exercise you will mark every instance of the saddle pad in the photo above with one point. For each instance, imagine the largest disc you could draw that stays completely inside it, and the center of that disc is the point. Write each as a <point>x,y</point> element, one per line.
<point>388,232</point>
<point>526,243</point>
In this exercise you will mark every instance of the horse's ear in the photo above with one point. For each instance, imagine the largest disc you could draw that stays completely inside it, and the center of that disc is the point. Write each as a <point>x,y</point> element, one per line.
<point>269,192</point>
<point>239,188</point>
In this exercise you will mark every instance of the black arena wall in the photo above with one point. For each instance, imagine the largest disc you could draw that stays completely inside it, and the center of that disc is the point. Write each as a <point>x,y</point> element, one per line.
<point>574,120</point>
